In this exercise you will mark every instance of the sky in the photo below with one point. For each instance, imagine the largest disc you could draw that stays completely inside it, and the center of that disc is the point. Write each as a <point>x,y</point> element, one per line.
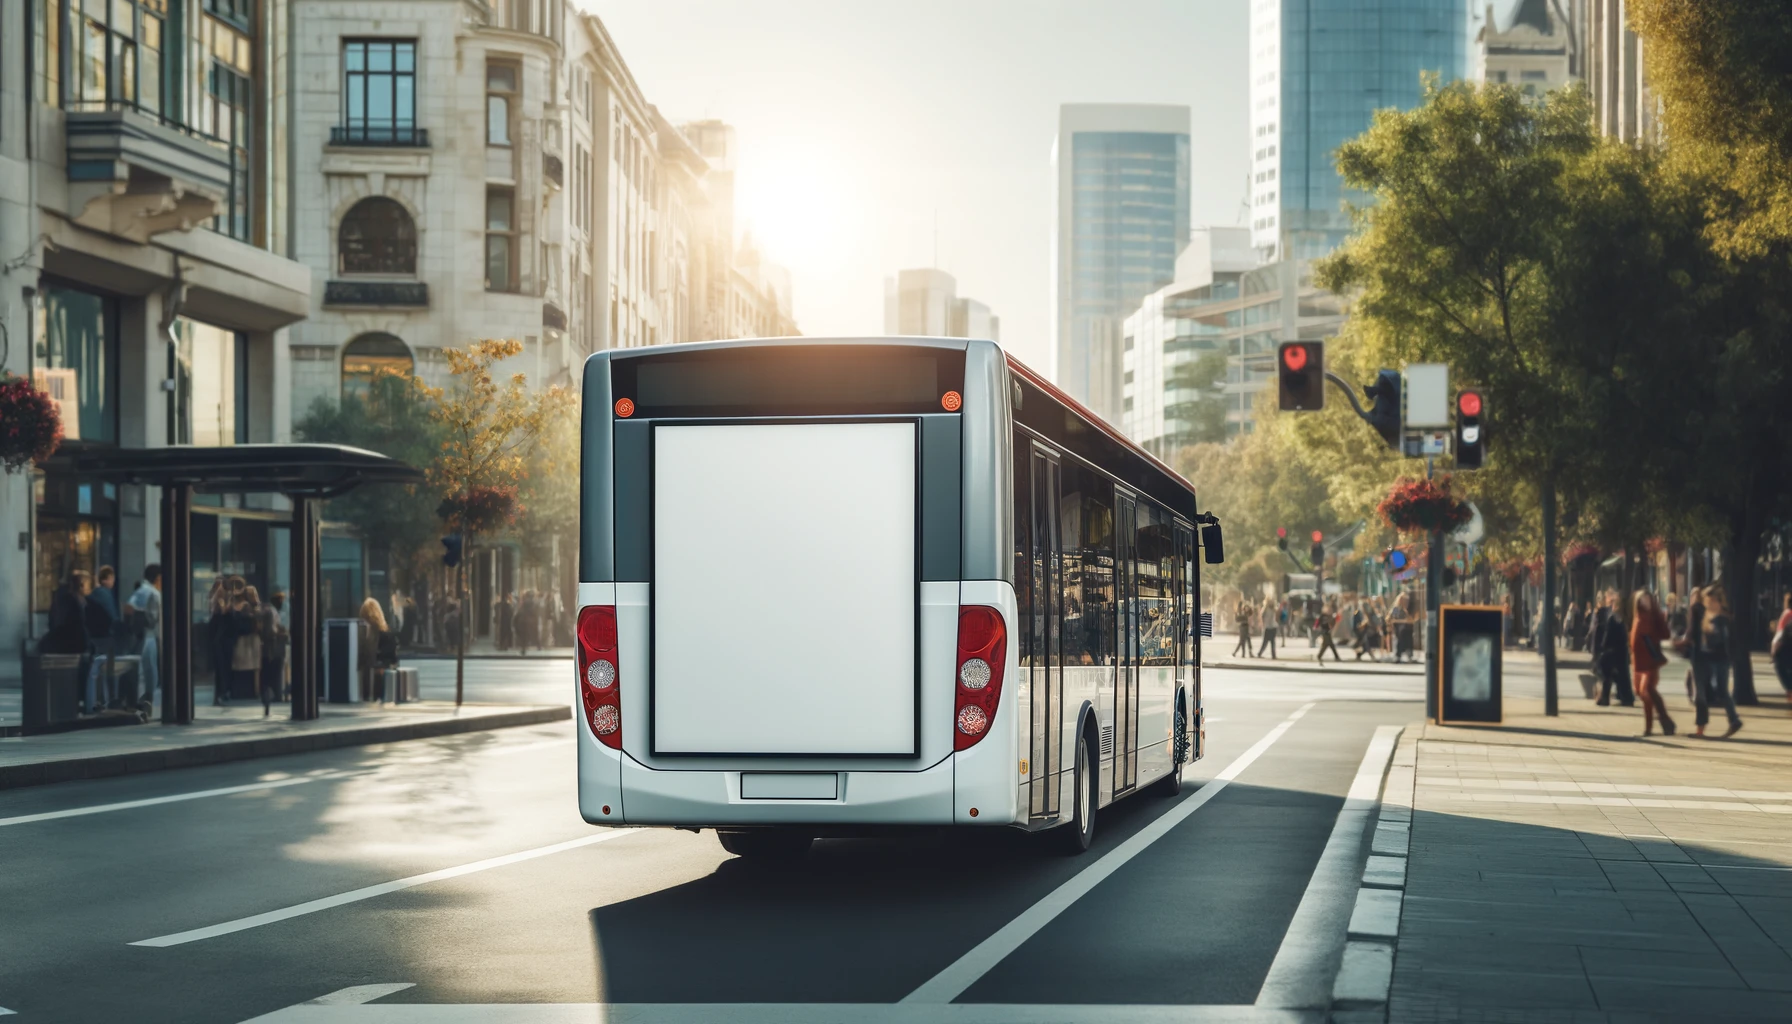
<point>879,136</point>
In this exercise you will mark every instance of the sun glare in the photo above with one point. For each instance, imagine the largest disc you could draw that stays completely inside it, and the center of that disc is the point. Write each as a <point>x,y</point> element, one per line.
<point>794,206</point>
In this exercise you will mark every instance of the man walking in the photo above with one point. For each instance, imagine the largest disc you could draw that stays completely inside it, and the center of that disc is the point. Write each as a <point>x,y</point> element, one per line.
<point>102,632</point>
<point>146,626</point>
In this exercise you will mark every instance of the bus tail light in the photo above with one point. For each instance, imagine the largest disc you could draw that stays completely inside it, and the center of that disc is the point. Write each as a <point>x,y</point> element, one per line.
<point>982,651</point>
<point>600,674</point>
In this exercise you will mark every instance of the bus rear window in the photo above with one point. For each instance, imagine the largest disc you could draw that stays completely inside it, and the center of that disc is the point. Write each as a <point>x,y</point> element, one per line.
<point>790,380</point>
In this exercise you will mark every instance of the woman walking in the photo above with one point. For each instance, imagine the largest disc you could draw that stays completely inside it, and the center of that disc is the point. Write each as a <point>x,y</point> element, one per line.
<point>1648,630</point>
<point>1323,625</point>
<point>1782,647</point>
<point>273,653</point>
<point>1243,648</point>
<point>367,657</point>
<point>1712,641</point>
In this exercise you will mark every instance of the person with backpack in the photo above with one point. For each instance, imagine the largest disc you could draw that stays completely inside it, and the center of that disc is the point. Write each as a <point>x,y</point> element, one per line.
<point>1648,631</point>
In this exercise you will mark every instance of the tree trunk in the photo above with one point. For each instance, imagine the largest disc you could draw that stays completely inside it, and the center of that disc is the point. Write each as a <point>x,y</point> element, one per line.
<point>1547,636</point>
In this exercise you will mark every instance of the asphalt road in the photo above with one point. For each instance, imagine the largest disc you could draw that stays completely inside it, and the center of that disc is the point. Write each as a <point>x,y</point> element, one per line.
<point>452,880</point>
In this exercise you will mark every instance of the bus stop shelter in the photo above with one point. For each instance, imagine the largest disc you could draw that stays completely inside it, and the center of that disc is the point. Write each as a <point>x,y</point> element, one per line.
<point>307,474</point>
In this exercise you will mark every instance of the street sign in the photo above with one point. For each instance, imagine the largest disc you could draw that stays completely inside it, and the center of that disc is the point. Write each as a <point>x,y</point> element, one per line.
<point>1427,396</point>
<point>1419,443</point>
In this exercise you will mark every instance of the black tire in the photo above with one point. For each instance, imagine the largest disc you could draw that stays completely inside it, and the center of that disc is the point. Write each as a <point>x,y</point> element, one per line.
<point>1074,837</point>
<point>766,845</point>
<point>1171,784</point>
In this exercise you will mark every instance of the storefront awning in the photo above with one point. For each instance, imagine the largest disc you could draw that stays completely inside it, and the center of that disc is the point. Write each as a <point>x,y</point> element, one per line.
<point>298,470</point>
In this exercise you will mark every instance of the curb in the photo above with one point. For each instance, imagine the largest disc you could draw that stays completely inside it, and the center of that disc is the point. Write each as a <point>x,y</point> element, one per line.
<point>1360,992</point>
<point>1313,669</point>
<point>106,765</point>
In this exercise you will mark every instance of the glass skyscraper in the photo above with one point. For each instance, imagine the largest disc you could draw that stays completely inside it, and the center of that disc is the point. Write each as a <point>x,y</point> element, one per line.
<point>1122,217</point>
<point>1319,71</point>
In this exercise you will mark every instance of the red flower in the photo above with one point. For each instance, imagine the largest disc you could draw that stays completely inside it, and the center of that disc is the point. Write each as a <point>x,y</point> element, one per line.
<point>1421,506</point>
<point>30,424</point>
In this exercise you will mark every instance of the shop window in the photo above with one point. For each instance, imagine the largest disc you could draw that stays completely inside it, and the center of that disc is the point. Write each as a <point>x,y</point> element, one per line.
<point>377,236</point>
<point>367,357</point>
<point>77,361</point>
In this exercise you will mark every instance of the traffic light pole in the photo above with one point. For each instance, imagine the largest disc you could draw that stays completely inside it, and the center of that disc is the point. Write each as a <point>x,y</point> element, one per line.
<point>1342,385</point>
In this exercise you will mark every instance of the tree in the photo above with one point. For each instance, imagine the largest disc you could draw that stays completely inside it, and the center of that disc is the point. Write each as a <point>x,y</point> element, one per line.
<point>393,418</point>
<point>1203,405</point>
<point>1543,264</point>
<point>1723,73</point>
<point>550,492</point>
<point>489,431</point>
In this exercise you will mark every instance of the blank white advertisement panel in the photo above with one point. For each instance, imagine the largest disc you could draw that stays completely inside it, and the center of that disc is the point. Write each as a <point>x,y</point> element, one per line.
<point>784,588</point>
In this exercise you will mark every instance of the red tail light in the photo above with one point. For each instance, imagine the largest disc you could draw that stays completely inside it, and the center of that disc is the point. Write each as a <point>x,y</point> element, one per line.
<point>982,651</point>
<point>600,674</point>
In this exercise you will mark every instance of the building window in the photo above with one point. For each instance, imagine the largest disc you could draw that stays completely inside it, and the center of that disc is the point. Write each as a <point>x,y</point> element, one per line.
<point>210,369</point>
<point>77,361</point>
<point>379,90</point>
<point>500,240</point>
<point>116,50</point>
<point>500,93</point>
<point>377,236</point>
<point>226,100</point>
<point>367,357</point>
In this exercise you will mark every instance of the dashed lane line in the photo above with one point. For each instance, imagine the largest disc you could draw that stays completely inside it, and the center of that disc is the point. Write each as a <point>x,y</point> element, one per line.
<point>369,892</point>
<point>952,982</point>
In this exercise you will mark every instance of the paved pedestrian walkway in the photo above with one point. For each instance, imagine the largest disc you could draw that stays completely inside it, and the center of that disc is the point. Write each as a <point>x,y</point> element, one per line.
<point>240,732</point>
<point>1569,870</point>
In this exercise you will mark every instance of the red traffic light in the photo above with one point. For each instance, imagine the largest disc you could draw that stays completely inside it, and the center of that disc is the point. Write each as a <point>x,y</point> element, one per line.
<point>1469,402</point>
<point>1318,537</point>
<point>1281,531</point>
<point>1294,357</point>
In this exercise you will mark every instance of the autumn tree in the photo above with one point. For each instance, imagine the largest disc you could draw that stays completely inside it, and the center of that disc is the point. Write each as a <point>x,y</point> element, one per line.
<point>490,429</point>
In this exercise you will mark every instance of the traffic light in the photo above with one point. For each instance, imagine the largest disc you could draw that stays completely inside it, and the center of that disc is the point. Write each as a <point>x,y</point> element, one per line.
<point>1316,554</point>
<point>1301,366</point>
<point>1471,430</point>
<point>1282,538</point>
<point>451,551</point>
<point>1385,415</point>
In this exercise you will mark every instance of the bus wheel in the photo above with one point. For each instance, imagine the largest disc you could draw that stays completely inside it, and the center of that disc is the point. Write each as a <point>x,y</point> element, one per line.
<point>1074,837</point>
<point>766,845</point>
<point>1171,784</point>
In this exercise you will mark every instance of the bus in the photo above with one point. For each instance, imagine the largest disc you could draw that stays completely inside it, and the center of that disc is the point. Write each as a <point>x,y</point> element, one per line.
<point>833,587</point>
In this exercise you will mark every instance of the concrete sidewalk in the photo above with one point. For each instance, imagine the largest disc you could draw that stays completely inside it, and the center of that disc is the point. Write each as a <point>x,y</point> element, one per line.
<point>1568,869</point>
<point>240,732</point>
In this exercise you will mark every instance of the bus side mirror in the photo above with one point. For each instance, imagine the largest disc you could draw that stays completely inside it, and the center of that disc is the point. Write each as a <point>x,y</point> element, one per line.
<point>1213,544</point>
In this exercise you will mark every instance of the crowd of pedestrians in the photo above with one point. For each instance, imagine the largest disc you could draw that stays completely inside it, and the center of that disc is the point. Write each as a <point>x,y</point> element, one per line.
<point>1376,628</point>
<point>87,620</point>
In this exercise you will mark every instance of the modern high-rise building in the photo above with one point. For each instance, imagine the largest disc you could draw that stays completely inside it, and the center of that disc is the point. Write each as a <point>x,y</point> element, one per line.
<point>1319,71</point>
<point>926,303</point>
<point>1122,215</point>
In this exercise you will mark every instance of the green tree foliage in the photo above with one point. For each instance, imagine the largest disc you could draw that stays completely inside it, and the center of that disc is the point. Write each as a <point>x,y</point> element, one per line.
<point>392,418</point>
<point>1201,378</point>
<point>550,489</point>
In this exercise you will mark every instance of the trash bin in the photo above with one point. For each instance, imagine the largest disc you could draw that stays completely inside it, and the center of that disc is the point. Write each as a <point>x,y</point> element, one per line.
<point>403,686</point>
<point>52,689</point>
<point>342,641</point>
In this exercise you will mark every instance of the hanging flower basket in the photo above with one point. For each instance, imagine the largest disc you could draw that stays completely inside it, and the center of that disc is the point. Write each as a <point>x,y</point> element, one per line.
<point>1421,506</point>
<point>30,424</point>
<point>482,509</point>
<point>1580,556</point>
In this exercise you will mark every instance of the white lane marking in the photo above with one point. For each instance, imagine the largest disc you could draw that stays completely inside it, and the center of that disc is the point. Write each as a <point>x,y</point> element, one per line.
<point>777,1013</point>
<point>125,805</point>
<point>1300,975</point>
<point>952,982</point>
<point>355,995</point>
<point>369,892</point>
<point>4,1012</point>
<point>1642,803</point>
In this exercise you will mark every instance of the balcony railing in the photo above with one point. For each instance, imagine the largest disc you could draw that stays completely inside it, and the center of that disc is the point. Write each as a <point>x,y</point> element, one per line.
<point>380,135</point>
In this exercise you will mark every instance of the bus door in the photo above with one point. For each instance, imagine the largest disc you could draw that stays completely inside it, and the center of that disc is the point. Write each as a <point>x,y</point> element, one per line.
<point>1047,726</point>
<point>1126,685</point>
<point>1185,635</point>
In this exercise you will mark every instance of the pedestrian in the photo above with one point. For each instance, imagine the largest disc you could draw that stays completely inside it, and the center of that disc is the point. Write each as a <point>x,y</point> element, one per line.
<point>220,636</point>
<point>528,622</point>
<point>68,615</point>
<point>373,633</point>
<point>146,624</point>
<point>1271,627</point>
<point>451,625</point>
<point>1243,648</point>
<point>1713,643</point>
<point>1648,630</point>
<point>245,651</point>
<point>1323,624</point>
<point>396,616</point>
<point>1610,647</point>
<point>506,622</point>
<point>1676,616</point>
<point>1781,647</point>
<point>1402,621</point>
<point>278,600</point>
<point>103,635</point>
<point>273,635</point>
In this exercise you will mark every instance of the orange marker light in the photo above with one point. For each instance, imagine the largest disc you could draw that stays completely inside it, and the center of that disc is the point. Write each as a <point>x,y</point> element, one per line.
<point>625,407</point>
<point>952,401</point>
